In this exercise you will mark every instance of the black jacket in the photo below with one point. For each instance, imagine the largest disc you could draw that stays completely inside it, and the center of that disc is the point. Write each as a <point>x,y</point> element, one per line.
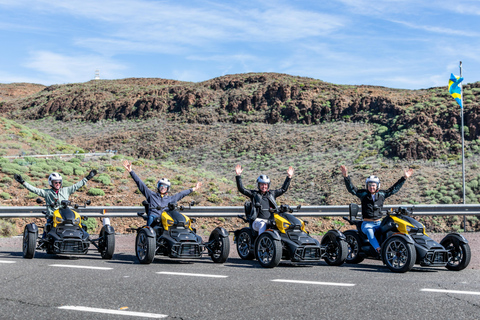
<point>256,197</point>
<point>372,209</point>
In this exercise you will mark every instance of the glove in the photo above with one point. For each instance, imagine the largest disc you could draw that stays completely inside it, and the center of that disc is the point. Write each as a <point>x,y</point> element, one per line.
<point>91,174</point>
<point>18,178</point>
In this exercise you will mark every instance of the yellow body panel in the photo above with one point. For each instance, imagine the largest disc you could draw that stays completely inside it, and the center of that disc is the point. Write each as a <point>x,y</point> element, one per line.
<point>402,225</point>
<point>279,221</point>
<point>57,218</point>
<point>168,221</point>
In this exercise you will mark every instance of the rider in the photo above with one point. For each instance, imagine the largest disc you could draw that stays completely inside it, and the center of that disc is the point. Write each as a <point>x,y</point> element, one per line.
<point>372,201</point>
<point>262,199</point>
<point>159,198</point>
<point>57,193</point>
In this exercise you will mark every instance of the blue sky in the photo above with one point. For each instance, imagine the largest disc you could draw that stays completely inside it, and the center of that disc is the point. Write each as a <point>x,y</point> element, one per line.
<point>407,44</point>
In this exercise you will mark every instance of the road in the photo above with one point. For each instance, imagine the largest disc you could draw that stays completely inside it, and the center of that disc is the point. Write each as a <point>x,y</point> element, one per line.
<point>87,287</point>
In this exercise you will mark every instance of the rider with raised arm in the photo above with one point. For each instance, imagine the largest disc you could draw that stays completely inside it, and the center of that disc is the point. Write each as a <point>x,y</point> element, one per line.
<point>372,199</point>
<point>57,193</point>
<point>262,199</point>
<point>160,198</point>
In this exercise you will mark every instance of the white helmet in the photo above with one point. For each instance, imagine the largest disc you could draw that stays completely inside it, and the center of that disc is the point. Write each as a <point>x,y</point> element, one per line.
<point>164,181</point>
<point>55,176</point>
<point>263,179</point>
<point>372,179</point>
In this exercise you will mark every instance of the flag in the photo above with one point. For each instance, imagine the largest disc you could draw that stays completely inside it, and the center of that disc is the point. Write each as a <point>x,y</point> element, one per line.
<point>455,88</point>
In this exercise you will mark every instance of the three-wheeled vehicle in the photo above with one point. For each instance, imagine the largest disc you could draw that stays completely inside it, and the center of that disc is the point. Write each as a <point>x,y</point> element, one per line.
<point>172,235</point>
<point>286,238</point>
<point>404,243</point>
<point>67,234</point>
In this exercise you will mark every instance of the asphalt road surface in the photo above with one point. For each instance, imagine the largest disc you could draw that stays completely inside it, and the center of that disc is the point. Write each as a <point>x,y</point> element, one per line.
<point>87,287</point>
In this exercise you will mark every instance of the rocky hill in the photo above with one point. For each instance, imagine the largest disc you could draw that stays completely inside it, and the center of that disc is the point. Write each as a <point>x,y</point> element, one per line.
<point>409,124</point>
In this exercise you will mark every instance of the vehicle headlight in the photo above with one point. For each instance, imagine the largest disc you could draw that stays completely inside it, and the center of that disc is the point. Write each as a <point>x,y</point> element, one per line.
<point>58,219</point>
<point>170,222</point>
<point>286,225</point>
<point>76,221</point>
<point>413,230</point>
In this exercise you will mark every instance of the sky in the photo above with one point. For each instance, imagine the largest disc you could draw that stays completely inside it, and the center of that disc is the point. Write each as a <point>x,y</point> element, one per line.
<point>407,44</point>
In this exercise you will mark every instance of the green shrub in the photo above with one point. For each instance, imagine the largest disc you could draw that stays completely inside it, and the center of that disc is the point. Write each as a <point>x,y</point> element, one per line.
<point>90,223</point>
<point>103,178</point>
<point>5,195</point>
<point>67,170</point>
<point>95,192</point>
<point>7,228</point>
<point>79,171</point>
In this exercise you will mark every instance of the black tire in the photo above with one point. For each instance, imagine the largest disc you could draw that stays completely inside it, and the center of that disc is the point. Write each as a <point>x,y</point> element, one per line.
<point>107,245</point>
<point>354,247</point>
<point>268,250</point>
<point>220,248</point>
<point>144,247</point>
<point>398,254</point>
<point>244,245</point>
<point>336,250</point>
<point>461,253</point>
<point>29,244</point>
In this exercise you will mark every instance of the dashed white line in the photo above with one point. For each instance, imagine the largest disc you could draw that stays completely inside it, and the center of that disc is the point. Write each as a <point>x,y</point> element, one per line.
<point>79,267</point>
<point>116,312</point>
<point>193,274</point>
<point>316,282</point>
<point>451,291</point>
<point>7,261</point>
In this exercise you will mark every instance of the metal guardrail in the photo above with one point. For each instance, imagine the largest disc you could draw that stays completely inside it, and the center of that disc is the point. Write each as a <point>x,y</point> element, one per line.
<point>233,211</point>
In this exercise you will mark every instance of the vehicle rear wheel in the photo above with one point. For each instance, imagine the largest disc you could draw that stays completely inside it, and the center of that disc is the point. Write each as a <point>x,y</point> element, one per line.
<point>268,250</point>
<point>398,254</point>
<point>144,247</point>
<point>244,245</point>
<point>354,247</point>
<point>107,244</point>
<point>336,250</point>
<point>460,253</point>
<point>220,247</point>
<point>29,244</point>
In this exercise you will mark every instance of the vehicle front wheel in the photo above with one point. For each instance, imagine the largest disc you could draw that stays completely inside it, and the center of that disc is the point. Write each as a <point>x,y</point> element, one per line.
<point>144,247</point>
<point>336,250</point>
<point>220,247</point>
<point>29,244</point>
<point>244,245</point>
<point>398,254</point>
<point>460,253</point>
<point>268,250</point>
<point>354,247</point>
<point>107,244</point>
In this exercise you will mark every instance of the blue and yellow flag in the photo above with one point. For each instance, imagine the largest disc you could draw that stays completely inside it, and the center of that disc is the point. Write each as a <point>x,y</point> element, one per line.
<point>455,89</point>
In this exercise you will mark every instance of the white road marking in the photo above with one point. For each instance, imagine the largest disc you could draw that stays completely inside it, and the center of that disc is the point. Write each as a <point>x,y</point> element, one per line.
<point>451,291</point>
<point>79,267</point>
<point>116,312</point>
<point>316,282</point>
<point>7,261</point>
<point>193,274</point>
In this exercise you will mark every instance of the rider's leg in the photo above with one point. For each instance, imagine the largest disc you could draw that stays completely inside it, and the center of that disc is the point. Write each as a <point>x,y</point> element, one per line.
<point>150,219</point>
<point>369,228</point>
<point>259,225</point>
<point>48,227</point>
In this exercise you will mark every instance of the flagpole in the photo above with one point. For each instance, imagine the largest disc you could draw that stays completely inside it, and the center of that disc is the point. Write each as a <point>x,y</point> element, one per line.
<point>463,140</point>
<point>463,150</point>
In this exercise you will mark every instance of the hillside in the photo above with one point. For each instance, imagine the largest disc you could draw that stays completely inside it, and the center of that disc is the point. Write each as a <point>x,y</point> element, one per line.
<point>199,131</point>
<point>408,124</point>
